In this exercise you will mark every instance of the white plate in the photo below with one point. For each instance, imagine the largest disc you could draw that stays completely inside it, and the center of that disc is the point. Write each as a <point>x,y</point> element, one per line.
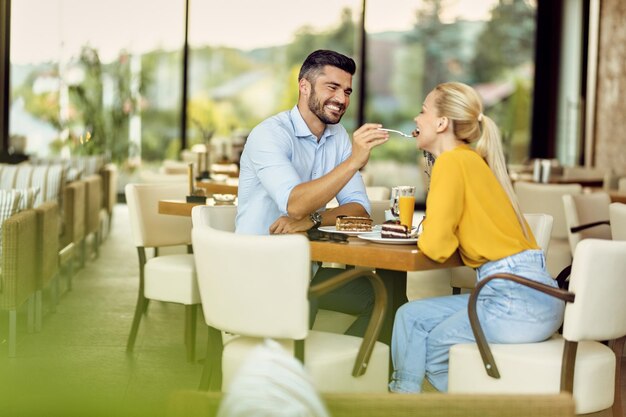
<point>333,229</point>
<point>375,237</point>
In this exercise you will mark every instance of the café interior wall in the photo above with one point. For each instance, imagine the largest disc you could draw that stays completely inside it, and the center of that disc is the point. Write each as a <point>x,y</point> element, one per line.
<point>610,122</point>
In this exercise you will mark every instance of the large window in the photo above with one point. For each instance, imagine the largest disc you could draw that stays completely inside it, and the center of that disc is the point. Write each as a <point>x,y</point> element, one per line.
<point>91,76</point>
<point>413,46</point>
<point>79,70</point>
<point>245,57</point>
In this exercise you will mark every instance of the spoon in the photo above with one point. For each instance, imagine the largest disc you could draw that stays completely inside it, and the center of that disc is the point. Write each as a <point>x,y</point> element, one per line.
<point>396,131</point>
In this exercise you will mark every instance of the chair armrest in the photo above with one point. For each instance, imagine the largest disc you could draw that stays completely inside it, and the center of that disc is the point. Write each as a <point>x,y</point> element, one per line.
<point>479,335</point>
<point>561,279</point>
<point>582,227</point>
<point>378,312</point>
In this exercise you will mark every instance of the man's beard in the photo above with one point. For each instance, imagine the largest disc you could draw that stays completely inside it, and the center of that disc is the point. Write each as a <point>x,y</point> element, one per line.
<point>317,108</point>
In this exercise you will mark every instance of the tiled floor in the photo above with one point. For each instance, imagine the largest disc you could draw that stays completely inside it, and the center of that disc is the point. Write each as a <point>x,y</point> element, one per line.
<point>77,364</point>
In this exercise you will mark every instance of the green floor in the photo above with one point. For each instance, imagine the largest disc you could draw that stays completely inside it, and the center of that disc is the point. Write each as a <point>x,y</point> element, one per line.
<point>77,365</point>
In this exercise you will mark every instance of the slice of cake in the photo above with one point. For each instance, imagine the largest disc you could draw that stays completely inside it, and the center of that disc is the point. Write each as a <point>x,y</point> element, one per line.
<point>392,229</point>
<point>353,224</point>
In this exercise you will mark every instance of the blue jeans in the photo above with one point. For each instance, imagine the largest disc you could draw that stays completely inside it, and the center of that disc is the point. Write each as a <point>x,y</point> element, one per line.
<point>424,330</point>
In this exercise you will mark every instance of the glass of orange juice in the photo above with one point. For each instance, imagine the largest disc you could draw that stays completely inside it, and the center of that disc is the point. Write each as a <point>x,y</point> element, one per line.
<point>406,204</point>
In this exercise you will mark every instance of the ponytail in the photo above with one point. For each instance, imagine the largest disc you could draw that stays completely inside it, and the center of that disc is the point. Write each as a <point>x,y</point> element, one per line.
<point>489,146</point>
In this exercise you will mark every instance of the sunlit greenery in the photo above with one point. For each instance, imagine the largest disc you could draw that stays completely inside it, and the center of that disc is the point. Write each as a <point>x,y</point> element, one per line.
<point>233,90</point>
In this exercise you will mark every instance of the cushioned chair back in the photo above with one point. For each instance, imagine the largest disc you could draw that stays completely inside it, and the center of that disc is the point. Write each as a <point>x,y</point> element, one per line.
<point>378,210</point>
<point>581,172</point>
<point>541,226</point>
<point>254,285</point>
<point>617,215</point>
<point>149,228</point>
<point>546,198</point>
<point>40,179</point>
<point>217,217</point>
<point>23,176</point>
<point>55,181</point>
<point>7,177</point>
<point>378,192</point>
<point>597,279</point>
<point>583,209</point>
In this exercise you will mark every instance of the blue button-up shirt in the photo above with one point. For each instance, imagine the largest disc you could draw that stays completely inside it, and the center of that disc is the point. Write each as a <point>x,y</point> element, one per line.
<point>280,153</point>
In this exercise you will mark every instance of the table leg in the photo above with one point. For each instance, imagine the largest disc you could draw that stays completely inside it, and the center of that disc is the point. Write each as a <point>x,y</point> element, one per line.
<point>395,283</point>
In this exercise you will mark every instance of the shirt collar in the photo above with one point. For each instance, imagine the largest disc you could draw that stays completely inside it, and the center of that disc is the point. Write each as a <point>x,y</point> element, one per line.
<point>302,131</point>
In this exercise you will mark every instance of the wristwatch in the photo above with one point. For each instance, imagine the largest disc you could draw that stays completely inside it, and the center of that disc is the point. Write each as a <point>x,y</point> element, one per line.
<point>316,218</point>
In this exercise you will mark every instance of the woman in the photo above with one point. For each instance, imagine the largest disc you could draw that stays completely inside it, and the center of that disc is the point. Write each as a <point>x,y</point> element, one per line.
<point>471,206</point>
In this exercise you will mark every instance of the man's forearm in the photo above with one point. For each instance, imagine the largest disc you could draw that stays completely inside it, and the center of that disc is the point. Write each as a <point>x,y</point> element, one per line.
<point>311,195</point>
<point>350,209</point>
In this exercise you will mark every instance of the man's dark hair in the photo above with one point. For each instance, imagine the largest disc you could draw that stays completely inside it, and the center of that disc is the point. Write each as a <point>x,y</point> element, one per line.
<point>316,61</point>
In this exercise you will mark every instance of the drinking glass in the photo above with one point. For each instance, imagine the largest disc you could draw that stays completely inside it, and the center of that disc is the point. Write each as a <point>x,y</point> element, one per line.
<point>403,204</point>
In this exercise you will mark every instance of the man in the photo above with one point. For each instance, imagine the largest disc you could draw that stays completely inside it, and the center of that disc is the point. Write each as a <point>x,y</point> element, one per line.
<point>295,162</point>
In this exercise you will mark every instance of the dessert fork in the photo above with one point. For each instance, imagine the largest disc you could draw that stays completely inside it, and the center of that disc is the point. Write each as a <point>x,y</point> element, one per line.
<point>396,131</point>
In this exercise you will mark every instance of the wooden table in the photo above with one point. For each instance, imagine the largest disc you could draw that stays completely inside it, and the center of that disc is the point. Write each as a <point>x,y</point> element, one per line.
<point>230,186</point>
<point>231,170</point>
<point>392,262</point>
<point>176,207</point>
<point>180,207</point>
<point>585,182</point>
<point>560,179</point>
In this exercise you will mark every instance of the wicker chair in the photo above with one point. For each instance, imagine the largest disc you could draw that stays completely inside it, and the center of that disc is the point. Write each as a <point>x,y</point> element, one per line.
<point>109,192</point>
<point>93,204</point>
<point>47,253</point>
<point>73,232</point>
<point>18,283</point>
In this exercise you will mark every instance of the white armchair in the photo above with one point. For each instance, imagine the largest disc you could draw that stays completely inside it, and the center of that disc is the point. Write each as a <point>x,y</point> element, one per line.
<point>257,287</point>
<point>170,278</point>
<point>576,361</point>
<point>548,198</point>
<point>617,215</point>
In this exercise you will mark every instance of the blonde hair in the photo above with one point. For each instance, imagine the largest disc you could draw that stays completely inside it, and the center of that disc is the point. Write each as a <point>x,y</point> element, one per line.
<point>461,104</point>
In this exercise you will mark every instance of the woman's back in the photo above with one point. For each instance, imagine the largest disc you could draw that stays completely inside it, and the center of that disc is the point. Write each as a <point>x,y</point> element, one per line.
<point>467,208</point>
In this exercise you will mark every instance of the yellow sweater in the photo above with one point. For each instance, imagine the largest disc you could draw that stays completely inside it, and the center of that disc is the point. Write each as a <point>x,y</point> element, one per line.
<point>468,209</point>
